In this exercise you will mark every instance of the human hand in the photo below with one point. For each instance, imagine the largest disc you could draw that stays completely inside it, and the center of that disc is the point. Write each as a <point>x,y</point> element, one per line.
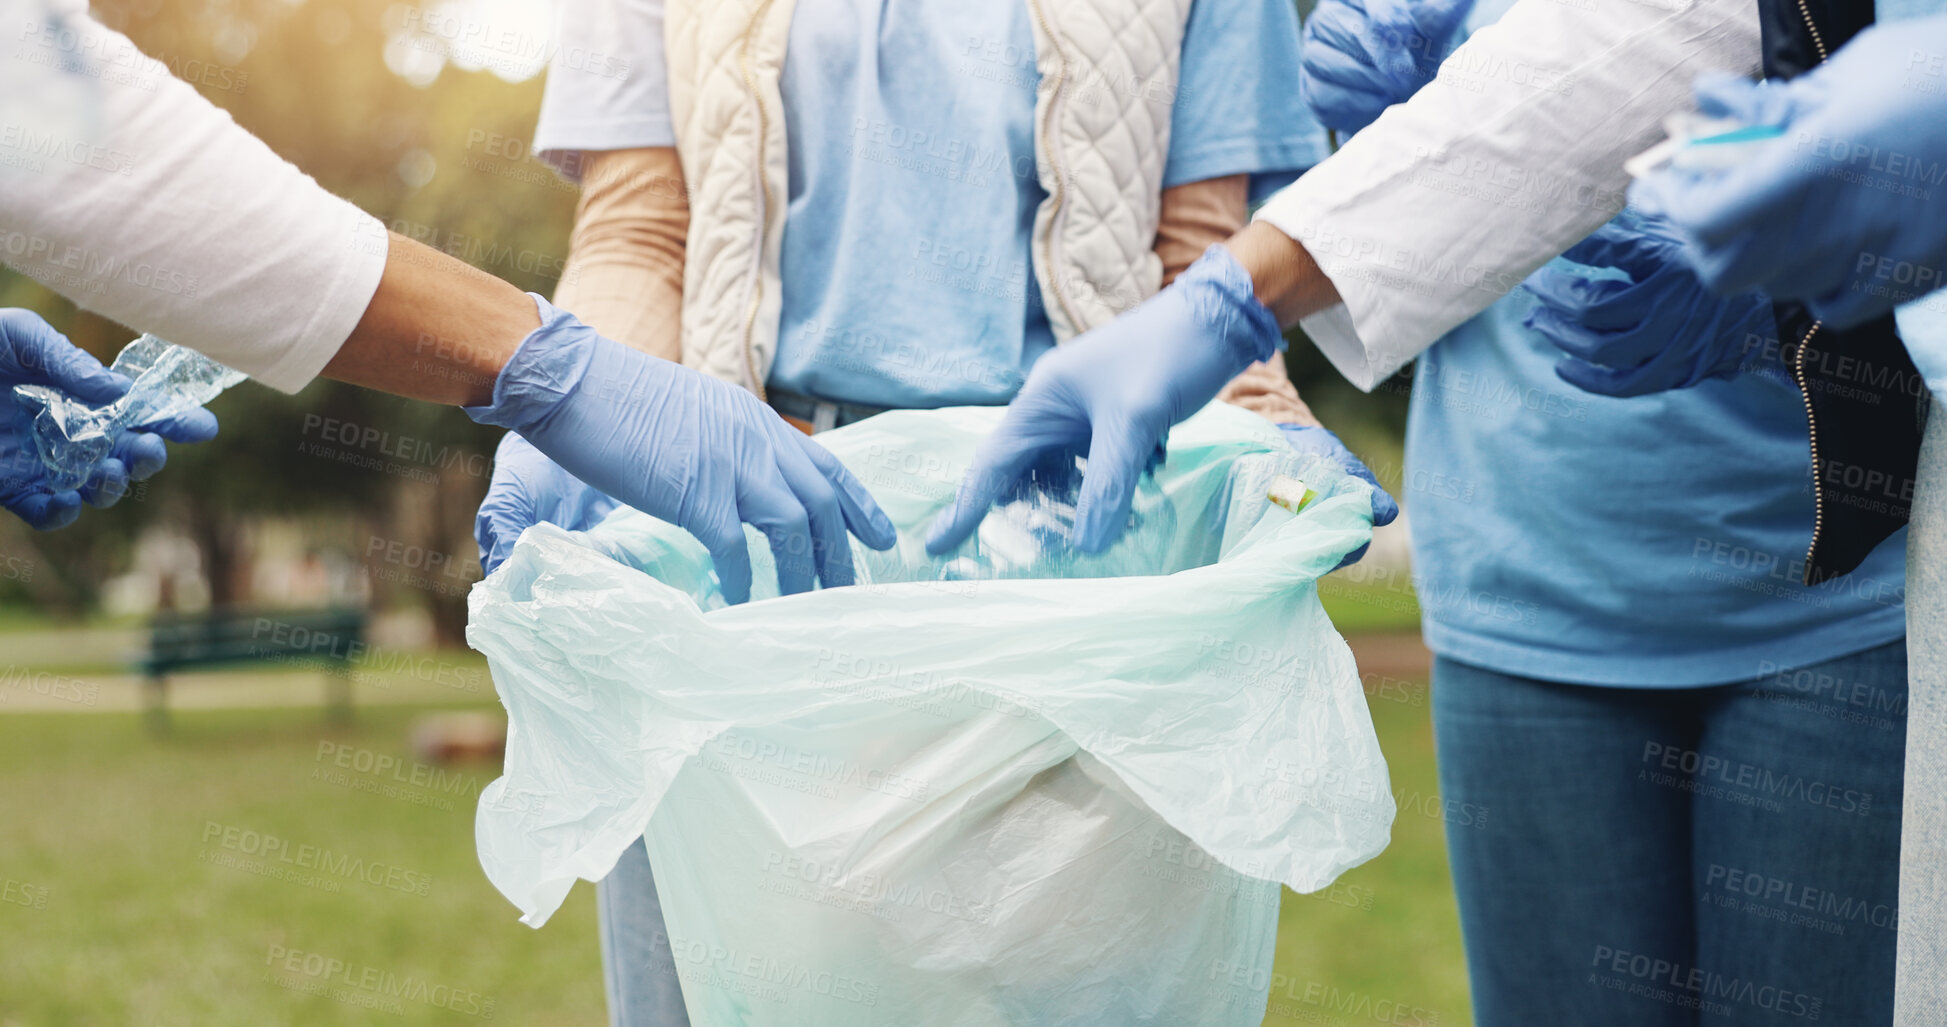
<point>1112,394</point>
<point>1314,440</point>
<point>33,353</point>
<point>528,489</point>
<point>1363,56</point>
<point>1659,329</point>
<point>697,452</point>
<point>1839,211</point>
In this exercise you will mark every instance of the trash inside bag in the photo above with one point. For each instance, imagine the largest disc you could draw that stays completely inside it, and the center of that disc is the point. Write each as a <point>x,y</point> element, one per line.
<point>1026,800</point>
<point>1028,537</point>
<point>71,437</point>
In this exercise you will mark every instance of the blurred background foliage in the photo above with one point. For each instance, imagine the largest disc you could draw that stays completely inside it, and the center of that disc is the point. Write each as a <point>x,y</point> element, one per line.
<point>321,83</point>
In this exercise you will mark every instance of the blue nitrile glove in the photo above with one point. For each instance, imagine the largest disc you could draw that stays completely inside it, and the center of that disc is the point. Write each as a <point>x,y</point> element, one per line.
<point>33,353</point>
<point>1843,211</point>
<point>1659,330</point>
<point>699,453</point>
<point>1363,56</point>
<point>1112,394</point>
<point>528,489</point>
<point>1313,440</point>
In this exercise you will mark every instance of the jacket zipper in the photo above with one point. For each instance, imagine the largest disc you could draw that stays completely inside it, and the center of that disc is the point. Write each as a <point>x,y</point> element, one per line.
<point>1812,432</point>
<point>763,200</point>
<point>1818,41</point>
<point>1798,367</point>
<point>1061,180</point>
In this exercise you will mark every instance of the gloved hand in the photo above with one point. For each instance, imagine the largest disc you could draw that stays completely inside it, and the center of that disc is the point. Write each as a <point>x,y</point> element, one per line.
<point>1659,330</point>
<point>699,453</point>
<point>33,353</point>
<point>527,489</point>
<point>1113,393</point>
<point>1363,56</point>
<point>1841,211</point>
<point>1314,440</point>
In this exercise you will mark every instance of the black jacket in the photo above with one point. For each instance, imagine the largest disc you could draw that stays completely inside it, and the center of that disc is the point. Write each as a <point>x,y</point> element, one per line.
<point>1865,400</point>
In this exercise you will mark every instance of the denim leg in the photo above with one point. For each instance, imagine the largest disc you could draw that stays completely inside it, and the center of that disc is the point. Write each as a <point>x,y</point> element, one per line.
<point>637,966</point>
<point>1920,998</point>
<point>1574,878</point>
<point>1797,841</point>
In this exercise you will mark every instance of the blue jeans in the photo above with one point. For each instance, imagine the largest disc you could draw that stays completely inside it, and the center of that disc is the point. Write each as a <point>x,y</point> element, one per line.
<point>1648,857</point>
<point>637,965</point>
<point>1921,998</point>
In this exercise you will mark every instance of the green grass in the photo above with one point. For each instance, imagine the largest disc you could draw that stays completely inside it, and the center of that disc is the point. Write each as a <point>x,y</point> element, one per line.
<point>1376,604</point>
<point>115,907</point>
<point>109,833</point>
<point>1382,945</point>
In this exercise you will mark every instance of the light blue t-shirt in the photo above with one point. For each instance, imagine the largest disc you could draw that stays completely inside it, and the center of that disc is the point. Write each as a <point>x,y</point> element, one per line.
<point>908,280</point>
<point>1923,322</point>
<point>1655,541</point>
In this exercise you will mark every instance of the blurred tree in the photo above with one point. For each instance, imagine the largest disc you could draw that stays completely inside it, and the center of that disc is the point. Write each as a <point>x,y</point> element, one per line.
<point>442,159</point>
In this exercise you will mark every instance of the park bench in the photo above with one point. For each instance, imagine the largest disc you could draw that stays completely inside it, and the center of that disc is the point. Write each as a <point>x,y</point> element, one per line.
<point>328,639</point>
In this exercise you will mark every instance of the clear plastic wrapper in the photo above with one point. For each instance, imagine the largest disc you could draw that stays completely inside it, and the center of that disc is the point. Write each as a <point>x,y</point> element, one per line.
<point>1064,793</point>
<point>72,437</point>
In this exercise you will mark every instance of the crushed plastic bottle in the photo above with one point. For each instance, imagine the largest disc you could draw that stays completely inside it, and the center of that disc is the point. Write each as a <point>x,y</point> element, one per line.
<point>72,437</point>
<point>1029,537</point>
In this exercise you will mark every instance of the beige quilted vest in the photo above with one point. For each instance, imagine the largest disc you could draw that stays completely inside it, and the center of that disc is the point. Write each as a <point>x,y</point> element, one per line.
<point>1102,130</point>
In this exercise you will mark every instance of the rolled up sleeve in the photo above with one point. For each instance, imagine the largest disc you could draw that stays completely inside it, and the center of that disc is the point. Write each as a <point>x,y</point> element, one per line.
<point>124,190</point>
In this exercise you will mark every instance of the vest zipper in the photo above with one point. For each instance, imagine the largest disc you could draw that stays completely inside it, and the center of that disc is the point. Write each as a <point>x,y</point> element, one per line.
<point>763,200</point>
<point>1798,368</point>
<point>1061,180</point>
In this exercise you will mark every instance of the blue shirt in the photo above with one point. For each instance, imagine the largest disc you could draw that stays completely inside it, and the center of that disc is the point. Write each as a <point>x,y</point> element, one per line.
<point>1655,541</point>
<point>908,280</point>
<point>1923,322</point>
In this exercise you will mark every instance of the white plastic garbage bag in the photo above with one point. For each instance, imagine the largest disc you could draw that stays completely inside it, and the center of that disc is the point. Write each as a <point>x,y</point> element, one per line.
<point>1025,801</point>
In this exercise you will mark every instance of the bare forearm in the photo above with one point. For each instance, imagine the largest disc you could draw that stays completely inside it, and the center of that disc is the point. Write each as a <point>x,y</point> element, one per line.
<point>1195,216</point>
<point>437,329</point>
<point>1287,279</point>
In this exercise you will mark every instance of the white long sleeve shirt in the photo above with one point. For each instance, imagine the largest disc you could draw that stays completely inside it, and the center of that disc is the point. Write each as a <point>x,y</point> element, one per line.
<point>124,190</point>
<point>1509,157</point>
